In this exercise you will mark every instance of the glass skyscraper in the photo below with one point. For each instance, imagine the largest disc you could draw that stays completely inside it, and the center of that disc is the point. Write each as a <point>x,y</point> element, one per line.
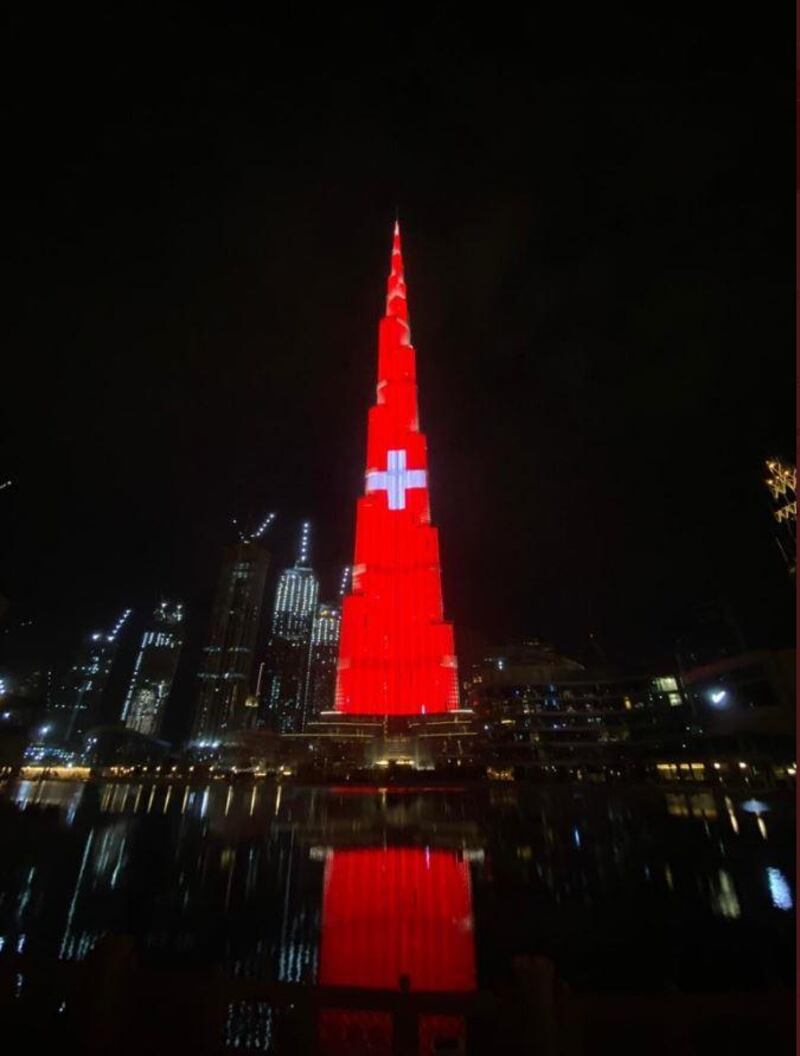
<point>322,656</point>
<point>225,677</point>
<point>154,670</point>
<point>290,641</point>
<point>79,699</point>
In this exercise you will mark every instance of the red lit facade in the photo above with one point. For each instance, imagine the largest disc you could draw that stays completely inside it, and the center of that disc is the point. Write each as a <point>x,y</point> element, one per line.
<point>396,653</point>
<point>393,912</point>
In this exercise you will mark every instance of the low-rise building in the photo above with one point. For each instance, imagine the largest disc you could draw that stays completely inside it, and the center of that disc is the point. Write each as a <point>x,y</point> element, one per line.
<point>539,709</point>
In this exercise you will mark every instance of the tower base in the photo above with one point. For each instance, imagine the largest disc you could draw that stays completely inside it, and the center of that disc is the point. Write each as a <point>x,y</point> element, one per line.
<point>416,742</point>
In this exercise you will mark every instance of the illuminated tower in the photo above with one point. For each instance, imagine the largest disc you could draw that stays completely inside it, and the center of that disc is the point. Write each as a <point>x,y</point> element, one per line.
<point>154,670</point>
<point>292,621</point>
<point>396,654</point>
<point>228,663</point>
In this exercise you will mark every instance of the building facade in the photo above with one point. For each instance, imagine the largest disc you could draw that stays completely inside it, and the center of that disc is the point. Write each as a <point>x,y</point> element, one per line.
<point>293,616</point>
<point>537,708</point>
<point>78,701</point>
<point>154,670</point>
<point>229,656</point>
<point>322,656</point>
<point>743,707</point>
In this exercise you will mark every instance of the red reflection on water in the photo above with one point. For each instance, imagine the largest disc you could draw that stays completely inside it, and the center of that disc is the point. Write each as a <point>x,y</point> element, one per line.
<point>393,912</point>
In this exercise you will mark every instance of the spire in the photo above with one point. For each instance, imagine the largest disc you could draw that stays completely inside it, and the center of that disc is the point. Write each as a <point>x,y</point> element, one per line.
<point>396,286</point>
<point>303,548</point>
<point>345,581</point>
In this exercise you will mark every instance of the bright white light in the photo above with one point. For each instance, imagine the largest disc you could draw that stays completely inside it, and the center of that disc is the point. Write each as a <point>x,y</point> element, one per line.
<point>754,806</point>
<point>779,891</point>
<point>396,479</point>
<point>44,731</point>
<point>718,697</point>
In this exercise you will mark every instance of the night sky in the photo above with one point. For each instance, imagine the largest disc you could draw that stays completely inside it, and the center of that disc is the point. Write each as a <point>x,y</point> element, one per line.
<point>597,223</point>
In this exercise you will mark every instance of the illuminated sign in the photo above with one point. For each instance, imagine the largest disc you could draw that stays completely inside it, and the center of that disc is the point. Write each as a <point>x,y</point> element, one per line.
<point>396,480</point>
<point>396,652</point>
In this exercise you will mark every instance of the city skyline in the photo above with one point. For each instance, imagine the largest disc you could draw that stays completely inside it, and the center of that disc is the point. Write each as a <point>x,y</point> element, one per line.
<point>398,531</point>
<point>591,347</point>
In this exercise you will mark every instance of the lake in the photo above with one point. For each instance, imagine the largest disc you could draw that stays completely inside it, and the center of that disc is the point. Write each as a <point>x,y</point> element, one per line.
<point>626,889</point>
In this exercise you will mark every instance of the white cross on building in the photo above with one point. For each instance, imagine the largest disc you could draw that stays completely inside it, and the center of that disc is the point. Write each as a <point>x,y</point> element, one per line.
<point>396,479</point>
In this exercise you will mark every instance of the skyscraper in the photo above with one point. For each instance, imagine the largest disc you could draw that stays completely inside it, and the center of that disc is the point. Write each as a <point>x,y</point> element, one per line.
<point>225,678</point>
<point>80,696</point>
<point>287,660</point>
<point>397,654</point>
<point>154,670</point>
<point>322,656</point>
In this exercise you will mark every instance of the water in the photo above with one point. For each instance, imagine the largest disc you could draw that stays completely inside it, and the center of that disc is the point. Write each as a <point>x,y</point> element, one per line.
<point>629,890</point>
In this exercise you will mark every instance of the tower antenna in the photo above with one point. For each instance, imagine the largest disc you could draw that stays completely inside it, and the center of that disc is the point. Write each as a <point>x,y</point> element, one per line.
<point>304,546</point>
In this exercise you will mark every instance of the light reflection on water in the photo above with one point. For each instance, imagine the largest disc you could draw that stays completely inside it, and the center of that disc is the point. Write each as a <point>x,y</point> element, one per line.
<point>623,888</point>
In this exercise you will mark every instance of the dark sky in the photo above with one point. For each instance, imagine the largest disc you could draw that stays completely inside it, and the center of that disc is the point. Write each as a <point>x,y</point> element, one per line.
<point>599,250</point>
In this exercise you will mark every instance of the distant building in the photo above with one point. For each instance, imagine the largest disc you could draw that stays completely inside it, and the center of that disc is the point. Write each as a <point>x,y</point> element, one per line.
<point>227,671</point>
<point>289,644</point>
<point>536,707</point>
<point>154,670</point>
<point>115,745</point>
<point>744,706</point>
<point>322,657</point>
<point>77,702</point>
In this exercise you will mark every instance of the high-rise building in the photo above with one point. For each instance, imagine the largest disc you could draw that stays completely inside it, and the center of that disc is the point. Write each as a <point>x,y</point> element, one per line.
<point>287,661</point>
<point>154,670</point>
<point>79,699</point>
<point>227,671</point>
<point>397,654</point>
<point>322,656</point>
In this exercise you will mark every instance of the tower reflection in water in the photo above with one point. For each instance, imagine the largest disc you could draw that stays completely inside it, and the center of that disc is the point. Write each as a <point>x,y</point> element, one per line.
<point>394,918</point>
